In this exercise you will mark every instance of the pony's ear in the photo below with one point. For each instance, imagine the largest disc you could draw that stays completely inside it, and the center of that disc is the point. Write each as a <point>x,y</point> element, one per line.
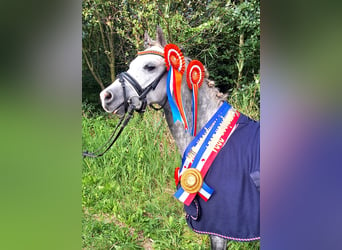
<point>147,40</point>
<point>160,37</point>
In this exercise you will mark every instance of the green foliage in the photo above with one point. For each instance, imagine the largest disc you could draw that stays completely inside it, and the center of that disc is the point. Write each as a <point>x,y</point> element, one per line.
<point>216,42</point>
<point>224,35</point>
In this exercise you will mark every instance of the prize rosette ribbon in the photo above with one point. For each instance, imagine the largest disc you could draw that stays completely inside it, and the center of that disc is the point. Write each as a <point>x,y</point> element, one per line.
<point>194,78</point>
<point>175,65</point>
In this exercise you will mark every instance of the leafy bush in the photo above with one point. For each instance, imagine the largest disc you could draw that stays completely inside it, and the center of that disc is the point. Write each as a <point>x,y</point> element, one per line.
<point>224,35</point>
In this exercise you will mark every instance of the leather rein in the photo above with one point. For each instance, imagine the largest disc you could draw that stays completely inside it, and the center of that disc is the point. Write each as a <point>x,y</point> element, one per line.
<point>134,103</point>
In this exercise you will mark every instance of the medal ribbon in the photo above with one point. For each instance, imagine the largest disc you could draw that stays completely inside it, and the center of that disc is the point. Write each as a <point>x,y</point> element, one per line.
<point>208,142</point>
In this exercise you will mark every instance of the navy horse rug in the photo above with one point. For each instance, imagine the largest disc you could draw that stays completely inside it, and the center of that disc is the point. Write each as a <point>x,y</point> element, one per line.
<point>219,180</point>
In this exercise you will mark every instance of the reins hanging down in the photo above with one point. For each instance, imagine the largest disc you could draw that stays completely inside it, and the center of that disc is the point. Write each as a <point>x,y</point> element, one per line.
<point>114,136</point>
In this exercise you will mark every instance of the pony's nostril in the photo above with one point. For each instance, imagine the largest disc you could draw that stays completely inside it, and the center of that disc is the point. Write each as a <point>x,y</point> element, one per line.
<point>107,96</point>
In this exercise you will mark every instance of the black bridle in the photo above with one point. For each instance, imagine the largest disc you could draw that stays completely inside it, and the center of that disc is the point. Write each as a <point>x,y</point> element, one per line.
<point>135,103</point>
<point>142,93</point>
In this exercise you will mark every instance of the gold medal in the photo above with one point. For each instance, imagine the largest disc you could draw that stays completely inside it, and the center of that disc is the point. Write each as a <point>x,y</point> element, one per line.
<point>191,180</point>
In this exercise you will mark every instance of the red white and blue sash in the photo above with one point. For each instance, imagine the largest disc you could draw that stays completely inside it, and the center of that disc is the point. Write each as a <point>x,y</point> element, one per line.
<point>202,151</point>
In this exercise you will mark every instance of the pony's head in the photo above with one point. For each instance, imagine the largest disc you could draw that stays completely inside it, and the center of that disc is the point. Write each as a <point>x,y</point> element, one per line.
<point>143,83</point>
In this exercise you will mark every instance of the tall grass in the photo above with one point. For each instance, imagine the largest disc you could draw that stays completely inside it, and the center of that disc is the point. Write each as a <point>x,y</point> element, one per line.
<point>247,98</point>
<point>127,194</point>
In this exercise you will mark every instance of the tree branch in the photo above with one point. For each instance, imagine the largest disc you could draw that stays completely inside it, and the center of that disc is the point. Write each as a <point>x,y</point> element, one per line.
<point>91,68</point>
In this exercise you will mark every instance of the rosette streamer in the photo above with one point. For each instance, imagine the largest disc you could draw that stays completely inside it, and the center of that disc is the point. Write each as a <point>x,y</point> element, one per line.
<point>175,64</point>
<point>194,78</point>
<point>169,90</point>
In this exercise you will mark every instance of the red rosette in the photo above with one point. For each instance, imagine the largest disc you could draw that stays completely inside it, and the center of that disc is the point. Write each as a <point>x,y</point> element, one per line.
<point>195,73</point>
<point>173,56</point>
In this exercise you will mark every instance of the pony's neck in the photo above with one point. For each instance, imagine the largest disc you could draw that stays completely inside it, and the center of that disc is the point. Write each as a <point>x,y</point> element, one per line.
<point>208,103</point>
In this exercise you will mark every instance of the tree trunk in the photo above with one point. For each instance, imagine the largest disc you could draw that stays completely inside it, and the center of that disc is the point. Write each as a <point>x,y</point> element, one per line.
<point>241,60</point>
<point>111,55</point>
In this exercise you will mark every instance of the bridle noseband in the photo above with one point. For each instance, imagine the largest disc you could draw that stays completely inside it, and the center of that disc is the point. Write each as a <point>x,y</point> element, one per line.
<point>130,105</point>
<point>142,93</point>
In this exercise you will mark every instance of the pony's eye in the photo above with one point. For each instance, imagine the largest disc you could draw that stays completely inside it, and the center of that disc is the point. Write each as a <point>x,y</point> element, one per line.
<point>149,67</point>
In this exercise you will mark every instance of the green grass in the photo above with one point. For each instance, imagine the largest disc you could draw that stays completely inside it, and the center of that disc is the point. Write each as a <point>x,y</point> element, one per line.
<point>127,194</point>
<point>247,99</point>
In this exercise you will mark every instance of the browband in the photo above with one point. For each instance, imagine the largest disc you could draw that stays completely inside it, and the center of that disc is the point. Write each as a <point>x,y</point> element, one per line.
<point>153,52</point>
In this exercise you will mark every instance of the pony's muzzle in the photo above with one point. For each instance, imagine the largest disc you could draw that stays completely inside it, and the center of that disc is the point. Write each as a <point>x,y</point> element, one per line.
<point>107,99</point>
